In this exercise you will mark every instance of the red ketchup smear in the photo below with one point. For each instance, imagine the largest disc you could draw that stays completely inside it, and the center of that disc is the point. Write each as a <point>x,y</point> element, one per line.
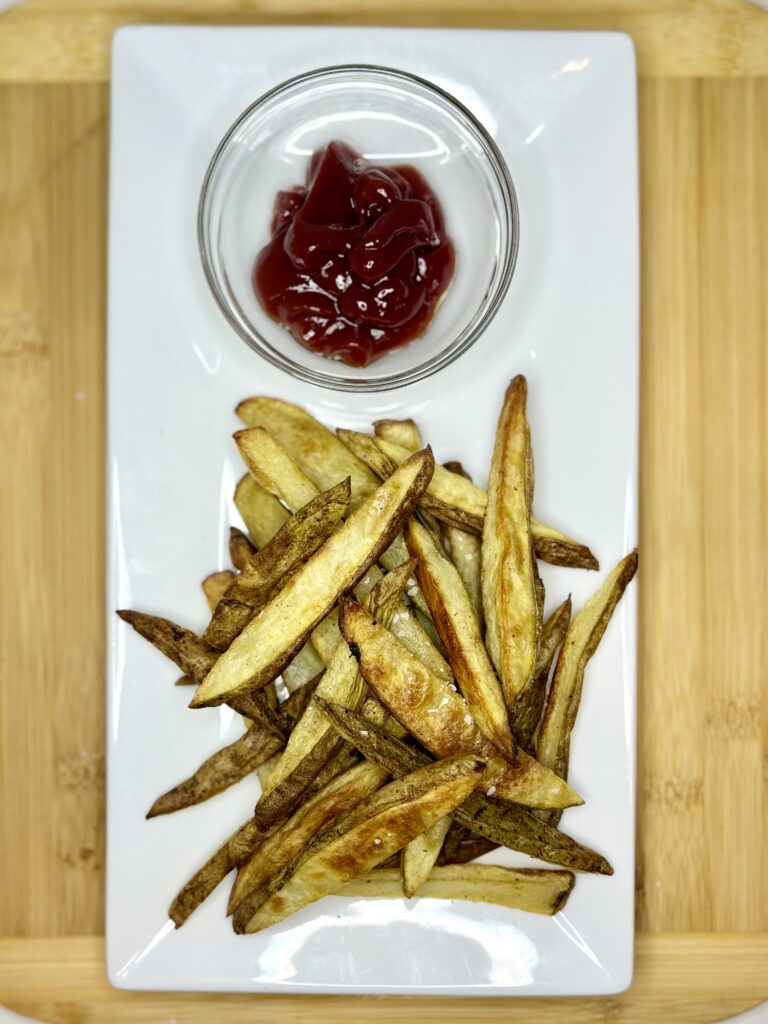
<point>358,258</point>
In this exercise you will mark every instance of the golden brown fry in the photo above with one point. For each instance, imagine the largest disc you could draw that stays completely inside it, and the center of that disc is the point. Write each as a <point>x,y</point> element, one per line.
<point>455,621</point>
<point>241,551</point>
<point>510,599</point>
<point>465,554</point>
<point>223,769</point>
<point>269,641</point>
<point>181,645</point>
<point>280,850</point>
<point>215,586</point>
<point>262,513</point>
<point>319,453</point>
<point>342,681</point>
<point>306,778</point>
<point>556,548</point>
<point>326,637</point>
<point>584,634</point>
<point>530,700</point>
<point>532,889</point>
<point>453,499</point>
<point>273,468</point>
<point>402,432</point>
<point>466,851</point>
<point>291,546</point>
<point>264,771</point>
<point>372,831</point>
<point>418,857</point>
<point>506,824</point>
<point>437,715</point>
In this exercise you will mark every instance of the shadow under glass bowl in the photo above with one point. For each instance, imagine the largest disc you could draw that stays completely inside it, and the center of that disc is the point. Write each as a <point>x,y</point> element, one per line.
<point>391,118</point>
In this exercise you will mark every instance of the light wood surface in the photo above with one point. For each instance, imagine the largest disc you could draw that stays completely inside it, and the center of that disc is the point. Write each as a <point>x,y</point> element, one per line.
<point>703,770</point>
<point>679,978</point>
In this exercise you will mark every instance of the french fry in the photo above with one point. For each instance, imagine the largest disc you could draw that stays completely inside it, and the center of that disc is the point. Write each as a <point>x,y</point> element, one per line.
<point>269,642</point>
<point>369,833</point>
<point>220,771</point>
<point>581,641</point>
<point>465,554</point>
<point>457,626</point>
<point>534,890</point>
<point>215,586</point>
<point>306,665</point>
<point>418,857</point>
<point>342,681</point>
<point>241,550</point>
<point>455,500</point>
<point>305,779</point>
<point>279,851</point>
<point>291,546</point>
<point>262,513</point>
<point>437,715</point>
<point>264,771</point>
<point>181,645</point>
<point>506,824</point>
<point>402,432</point>
<point>319,453</point>
<point>510,598</point>
<point>272,467</point>
<point>530,700</point>
<point>467,851</point>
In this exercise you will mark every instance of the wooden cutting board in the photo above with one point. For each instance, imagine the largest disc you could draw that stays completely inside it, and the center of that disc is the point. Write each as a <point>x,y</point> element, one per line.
<point>702,884</point>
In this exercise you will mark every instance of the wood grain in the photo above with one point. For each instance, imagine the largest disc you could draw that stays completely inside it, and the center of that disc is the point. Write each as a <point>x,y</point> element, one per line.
<point>50,40</point>
<point>703,771</point>
<point>52,243</point>
<point>679,979</point>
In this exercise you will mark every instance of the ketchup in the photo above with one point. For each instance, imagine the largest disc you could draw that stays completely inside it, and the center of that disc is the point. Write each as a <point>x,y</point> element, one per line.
<point>358,258</point>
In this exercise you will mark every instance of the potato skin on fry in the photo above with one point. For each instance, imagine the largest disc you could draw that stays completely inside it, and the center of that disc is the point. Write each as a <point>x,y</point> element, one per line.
<point>291,546</point>
<point>530,700</point>
<point>510,599</point>
<point>437,715</point>
<point>223,769</point>
<point>507,825</point>
<point>269,641</point>
<point>458,628</point>
<point>581,641</point>
<point>532,889</point>
<point>376,828</point>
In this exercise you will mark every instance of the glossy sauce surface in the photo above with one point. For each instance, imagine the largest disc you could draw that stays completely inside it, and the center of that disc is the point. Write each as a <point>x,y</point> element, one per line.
<point>358,258</point>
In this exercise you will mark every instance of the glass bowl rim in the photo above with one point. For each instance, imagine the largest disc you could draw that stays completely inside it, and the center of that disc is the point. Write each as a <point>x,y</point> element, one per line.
<point>485,312</point>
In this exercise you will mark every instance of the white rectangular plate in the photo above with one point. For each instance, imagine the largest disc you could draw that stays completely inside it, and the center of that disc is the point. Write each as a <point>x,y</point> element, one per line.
<point>562,108</point>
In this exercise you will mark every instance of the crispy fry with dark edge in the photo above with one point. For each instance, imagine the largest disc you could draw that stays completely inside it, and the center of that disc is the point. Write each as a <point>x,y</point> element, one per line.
<point>241,551</point>
<point>402,432</point>
<point>534,890</point>
<point>437,715</point>
<point>194,657</point>
<point>262,513</point>
<point>215,586</point>
<point>418,857</point>
<point>465,554</point>
<point>359,839</point>
<point>283,846</point>
<point>585,632</point>
<point>342,681</point>
<point>454,499</point>
<point>506,824</point>
<point>467,851</point>
<point>510,598</point>
<point>319,453</point>
<point>223,769</point>
<point>457,626</point>
<point>291,546</point>
<point>269,815</point>
<point>530,700</point>
<point>269,641</point>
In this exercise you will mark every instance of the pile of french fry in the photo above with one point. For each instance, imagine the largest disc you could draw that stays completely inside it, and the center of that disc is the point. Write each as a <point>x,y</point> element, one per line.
<point>382,635</point>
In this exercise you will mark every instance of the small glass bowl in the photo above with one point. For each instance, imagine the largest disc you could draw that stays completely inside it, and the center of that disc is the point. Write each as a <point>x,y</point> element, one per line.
<point>391,118</point>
